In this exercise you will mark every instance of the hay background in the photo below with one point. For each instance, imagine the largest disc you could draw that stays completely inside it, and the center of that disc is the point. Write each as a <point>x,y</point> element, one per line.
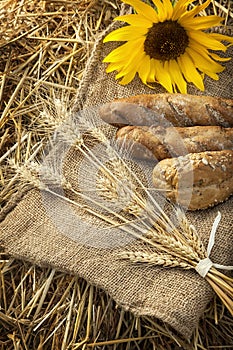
<point>44,47</point>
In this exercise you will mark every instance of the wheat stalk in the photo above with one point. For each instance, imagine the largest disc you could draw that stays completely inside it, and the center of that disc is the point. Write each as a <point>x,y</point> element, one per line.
<point>164,243</point>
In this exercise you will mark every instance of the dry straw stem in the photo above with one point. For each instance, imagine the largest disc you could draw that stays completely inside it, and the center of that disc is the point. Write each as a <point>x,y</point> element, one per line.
<point>54,68</point>
<point>68,304</point>
<point>53,310</point>
<point>44,46</point>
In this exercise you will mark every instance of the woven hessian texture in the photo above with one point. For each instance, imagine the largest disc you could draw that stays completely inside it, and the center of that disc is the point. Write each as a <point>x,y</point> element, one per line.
<point>178,297</point>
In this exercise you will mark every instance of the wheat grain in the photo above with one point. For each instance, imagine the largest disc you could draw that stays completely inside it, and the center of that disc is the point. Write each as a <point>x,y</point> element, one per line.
<point>27,174</point>
<point>165,260</point>
<point>173,244</point>
<point>191,234</point>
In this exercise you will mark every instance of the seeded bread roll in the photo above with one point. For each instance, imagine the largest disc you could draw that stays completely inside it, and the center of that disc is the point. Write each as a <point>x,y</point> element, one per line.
<point>197,180</point>
<point>162,109</point>
<point>157,143</point>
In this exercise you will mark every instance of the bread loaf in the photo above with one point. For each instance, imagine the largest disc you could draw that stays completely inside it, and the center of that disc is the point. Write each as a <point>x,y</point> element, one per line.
<point>164,109</point>
<point>196,180</point>
<point>157,143</point>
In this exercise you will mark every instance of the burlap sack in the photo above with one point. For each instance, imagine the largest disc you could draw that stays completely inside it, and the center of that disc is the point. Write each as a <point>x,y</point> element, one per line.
<point>28,231</point>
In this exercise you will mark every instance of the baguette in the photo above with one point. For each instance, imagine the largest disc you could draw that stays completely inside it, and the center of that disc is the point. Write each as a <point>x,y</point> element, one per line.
<point>163,109</point>
<point>157,143</point>
<point>212,182</point>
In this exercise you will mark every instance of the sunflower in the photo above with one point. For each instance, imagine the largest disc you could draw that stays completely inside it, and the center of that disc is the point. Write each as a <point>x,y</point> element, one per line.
<point>166,44</point>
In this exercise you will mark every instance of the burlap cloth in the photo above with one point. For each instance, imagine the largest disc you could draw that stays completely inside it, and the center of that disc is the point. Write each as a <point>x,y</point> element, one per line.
<point>178,297</point>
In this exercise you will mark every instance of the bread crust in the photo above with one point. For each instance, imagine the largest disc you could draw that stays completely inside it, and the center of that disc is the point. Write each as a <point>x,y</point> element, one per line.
<point>196,180</point>
<point>157,143</point>
<point>162,109</point>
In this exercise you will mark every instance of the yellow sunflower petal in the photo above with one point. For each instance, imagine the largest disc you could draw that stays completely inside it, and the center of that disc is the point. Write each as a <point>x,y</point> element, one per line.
<point>176,76</point>
<point>212,75</point>
<point>144,69</point>
<point>196,10</point>
<point>218,58</point>
<point>204,63</point>
<point>169,8</point>
<point>123,52</point>
<point>189,71</point>
<point>151,77</point>
<point>116,53</point>
<point>198,47</point>
<point>143,9</point>
<point>164,9</point>
<point>179,8</point>
<point>127,33</point>
<point>135,19</point>
<point>200,22</point>
<point>128,78</point>
<point>221,37</point>
<point>122,73</point>
<point>160,10</point>
<point>132,62</point>
<point>114,66</point>
<point>206,40</point>
<point>203,51</point>
<point>125,70</point>
<point>162,76</point>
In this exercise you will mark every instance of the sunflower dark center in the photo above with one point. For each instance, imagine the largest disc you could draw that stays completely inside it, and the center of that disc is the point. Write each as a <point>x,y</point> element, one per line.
<point>166,40</point>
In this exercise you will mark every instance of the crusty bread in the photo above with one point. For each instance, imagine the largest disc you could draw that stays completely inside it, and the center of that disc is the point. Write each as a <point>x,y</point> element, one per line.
<point>196,180</point>
<point>157,143</point>
<point>191,137</point>
<point>162,109</point>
